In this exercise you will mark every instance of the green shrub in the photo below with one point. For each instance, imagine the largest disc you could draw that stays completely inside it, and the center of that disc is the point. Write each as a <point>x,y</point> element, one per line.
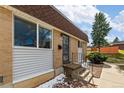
<point>97,57</point>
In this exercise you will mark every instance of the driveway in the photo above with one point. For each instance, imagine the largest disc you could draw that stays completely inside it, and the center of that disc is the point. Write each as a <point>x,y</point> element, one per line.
<point>111,77</point>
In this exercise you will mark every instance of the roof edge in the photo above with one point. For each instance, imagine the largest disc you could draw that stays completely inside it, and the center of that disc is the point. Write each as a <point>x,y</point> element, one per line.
<point>66,18</point>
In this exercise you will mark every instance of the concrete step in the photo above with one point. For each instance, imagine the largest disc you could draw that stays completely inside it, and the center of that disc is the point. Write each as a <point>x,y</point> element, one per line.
<point>82,74</point>
<point>89,77</point>
<point>85,74</point>
<point>78,72</point>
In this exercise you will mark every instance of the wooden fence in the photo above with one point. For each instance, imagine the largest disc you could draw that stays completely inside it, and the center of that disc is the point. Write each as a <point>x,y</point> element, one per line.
<point>109,50</point>
<point>106,50</point>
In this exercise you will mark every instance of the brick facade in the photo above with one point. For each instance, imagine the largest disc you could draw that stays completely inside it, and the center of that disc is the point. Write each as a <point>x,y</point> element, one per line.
<point>57,53</point>
<point>6,45</point>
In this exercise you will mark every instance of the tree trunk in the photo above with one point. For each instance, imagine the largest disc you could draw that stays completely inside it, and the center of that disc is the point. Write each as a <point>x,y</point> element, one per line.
<point>99,49</point>
<point>99,46</point>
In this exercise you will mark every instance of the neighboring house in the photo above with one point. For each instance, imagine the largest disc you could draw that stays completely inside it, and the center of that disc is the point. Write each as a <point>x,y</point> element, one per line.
<point>119,44</point>
<point>35,42</point>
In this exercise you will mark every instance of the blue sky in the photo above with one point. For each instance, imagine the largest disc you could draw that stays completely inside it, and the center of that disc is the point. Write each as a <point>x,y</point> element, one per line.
<point>83,17</point>
<point>115,9</point>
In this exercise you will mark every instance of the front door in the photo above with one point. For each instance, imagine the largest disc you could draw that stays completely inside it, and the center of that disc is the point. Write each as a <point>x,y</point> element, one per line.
<point>65,49</point>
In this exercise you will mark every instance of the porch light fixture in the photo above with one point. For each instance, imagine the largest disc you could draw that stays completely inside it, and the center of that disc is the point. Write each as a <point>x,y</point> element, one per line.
<point>59,47</point>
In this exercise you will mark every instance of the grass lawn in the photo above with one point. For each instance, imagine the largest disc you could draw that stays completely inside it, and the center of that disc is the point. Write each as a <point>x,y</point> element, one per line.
<point>116,58</point>
<point>121,51</point>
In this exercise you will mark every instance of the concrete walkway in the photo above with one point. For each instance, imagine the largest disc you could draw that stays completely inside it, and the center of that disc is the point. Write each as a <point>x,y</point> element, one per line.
<point>111,77</point>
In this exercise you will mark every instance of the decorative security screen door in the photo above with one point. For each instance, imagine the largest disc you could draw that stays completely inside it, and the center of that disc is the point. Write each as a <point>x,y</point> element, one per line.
<point>65,49</point>
<point>80,55</point>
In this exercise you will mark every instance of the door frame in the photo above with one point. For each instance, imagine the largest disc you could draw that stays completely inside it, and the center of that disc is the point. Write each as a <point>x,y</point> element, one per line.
<point>68,49</point>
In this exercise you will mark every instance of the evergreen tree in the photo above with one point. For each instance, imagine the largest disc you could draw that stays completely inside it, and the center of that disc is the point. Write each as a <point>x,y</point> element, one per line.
<point>116,40</point>
<point>100,30</point>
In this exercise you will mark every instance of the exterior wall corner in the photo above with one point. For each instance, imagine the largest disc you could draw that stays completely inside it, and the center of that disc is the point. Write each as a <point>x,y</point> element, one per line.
<point>6,45</point>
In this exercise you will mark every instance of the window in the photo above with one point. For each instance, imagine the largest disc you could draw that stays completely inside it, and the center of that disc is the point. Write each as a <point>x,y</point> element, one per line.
<point>44,38</point>
<point>24,33</point>
<point>79,44</point>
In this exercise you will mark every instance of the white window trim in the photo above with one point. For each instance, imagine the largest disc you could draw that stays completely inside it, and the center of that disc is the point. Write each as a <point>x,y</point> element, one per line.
<point>37,33</point>
<point>13,29</point>
<point>51,43</point>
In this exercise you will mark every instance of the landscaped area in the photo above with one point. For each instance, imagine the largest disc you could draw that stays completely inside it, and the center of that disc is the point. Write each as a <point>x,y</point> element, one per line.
<point>61,82</point>
<point>116,58</point>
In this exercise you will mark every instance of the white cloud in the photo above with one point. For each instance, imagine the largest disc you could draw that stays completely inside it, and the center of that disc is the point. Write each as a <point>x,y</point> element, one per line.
<point>79,14</point>
<point>118,22</point>
<point>120,17</point>
<point>111,37</point>
<point>85,14</point>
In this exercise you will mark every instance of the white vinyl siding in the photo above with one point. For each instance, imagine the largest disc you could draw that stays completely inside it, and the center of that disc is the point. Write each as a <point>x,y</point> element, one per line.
<point>28,62</point>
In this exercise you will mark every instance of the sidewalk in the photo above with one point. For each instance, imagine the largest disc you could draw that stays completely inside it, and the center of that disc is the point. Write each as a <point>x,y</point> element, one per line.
<point>111,77</point>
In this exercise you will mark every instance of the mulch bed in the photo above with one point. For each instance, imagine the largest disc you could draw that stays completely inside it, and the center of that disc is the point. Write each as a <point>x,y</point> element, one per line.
<point>74,84</point>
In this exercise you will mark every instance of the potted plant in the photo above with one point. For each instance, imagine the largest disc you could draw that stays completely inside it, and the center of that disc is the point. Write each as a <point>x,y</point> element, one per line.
<point>97,58</point>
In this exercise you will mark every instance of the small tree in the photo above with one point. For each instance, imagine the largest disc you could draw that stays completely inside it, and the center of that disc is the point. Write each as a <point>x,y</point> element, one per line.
<point>116,40</point>
<point>100,30</point>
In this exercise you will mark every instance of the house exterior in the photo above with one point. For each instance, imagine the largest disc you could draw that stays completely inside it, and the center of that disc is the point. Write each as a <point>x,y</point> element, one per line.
<point>35,42</point>
<point>119,44</point>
